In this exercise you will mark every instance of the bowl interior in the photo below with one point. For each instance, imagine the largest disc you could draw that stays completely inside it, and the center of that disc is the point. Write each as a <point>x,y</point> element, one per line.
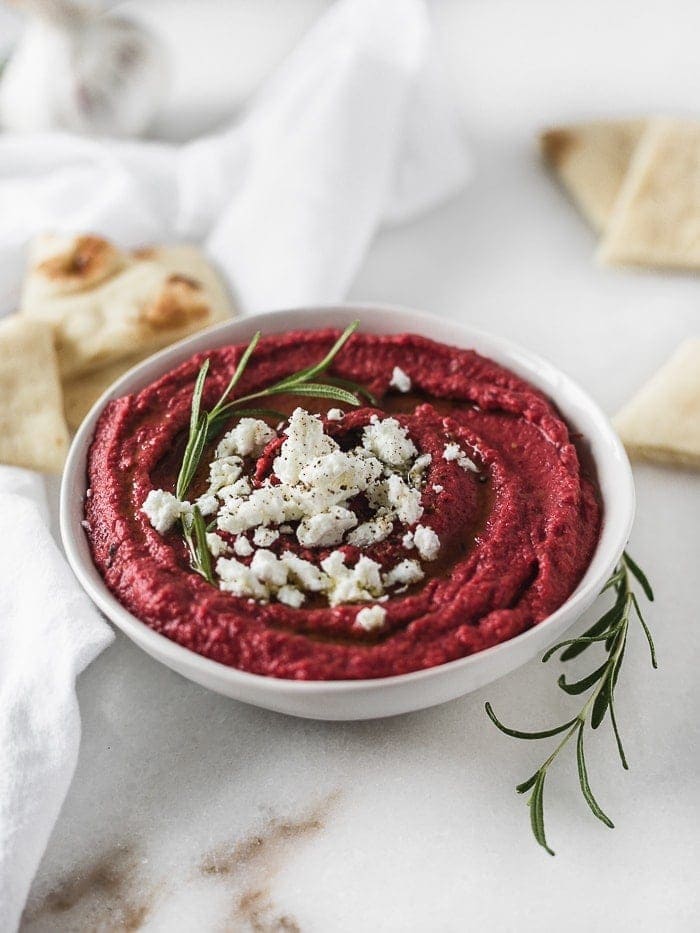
<point>600,449</point>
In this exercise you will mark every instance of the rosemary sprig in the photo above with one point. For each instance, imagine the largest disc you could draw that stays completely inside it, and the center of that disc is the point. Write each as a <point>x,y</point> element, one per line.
<point>205,425</point>
<point>611,630</point>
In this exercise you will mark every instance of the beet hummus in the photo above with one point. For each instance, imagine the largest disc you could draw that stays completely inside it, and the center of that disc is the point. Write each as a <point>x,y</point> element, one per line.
<point>446,513</point>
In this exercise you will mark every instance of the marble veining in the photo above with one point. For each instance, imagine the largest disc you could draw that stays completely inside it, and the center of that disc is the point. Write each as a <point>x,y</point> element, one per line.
<point>107,894</point>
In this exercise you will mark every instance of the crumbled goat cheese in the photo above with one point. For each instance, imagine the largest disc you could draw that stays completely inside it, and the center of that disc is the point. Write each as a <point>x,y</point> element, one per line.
<point>313,482</point>
<point>454,452</point>
<point>371,532</point>
<point>404,500</point>
<point>400,380</point>
<point>264,537</point>
<point>291,596</point>
<point>236,490</point>
<point>304,441</point>
<point>415,474</point>
<point>268,568</point>
<point>404,573</point>
<point>437,488</point>
<point>468,464</point>
<point>247,439</point>
<point>216,544</point>
<point>242,546</point>
<point>224,471</point>
<point>269,505</point>
<point>207,504</point>
<point>239,580</point>
<point>371,617</point>
<point>360,583</point>
<point>388,441</point>
<point>326,528</point>
<point>340,474</point>
<point>427,542</point>
<point>307,575</point>
<point>163,509</point>
<point>334,414</point>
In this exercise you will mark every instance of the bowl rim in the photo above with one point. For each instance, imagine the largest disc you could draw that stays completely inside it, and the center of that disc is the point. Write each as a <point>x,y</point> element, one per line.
<point>611,541</point>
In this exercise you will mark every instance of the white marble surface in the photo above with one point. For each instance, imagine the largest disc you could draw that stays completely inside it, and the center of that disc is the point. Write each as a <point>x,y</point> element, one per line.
<point>192,812</point>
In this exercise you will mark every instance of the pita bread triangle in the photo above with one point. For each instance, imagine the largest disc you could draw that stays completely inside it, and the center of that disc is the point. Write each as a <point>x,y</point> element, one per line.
<point>33,432</point>
<point>662,421</point>
<point>591,161</point>
<point>656,218</point>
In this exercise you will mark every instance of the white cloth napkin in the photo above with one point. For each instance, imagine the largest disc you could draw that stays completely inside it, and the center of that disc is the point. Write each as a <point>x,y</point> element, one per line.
<point>49,632</point>
<point>355,130</point>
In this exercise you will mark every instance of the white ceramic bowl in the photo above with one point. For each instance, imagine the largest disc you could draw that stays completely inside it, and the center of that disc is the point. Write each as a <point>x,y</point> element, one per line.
<point>387,696</point>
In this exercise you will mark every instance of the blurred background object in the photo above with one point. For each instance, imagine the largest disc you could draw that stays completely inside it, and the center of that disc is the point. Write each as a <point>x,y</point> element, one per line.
<point>81,68</point>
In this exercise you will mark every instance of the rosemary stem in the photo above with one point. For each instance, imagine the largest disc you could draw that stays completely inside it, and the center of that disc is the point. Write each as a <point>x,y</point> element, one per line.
<point>563,742</point>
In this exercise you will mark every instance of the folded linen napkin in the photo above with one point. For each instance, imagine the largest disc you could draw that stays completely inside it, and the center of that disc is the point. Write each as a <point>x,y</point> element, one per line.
<point>355,130</point>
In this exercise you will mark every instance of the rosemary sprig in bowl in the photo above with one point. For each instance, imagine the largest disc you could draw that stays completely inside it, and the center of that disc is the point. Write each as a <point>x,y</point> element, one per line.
<point>204,426</point>
<point>611,631</point>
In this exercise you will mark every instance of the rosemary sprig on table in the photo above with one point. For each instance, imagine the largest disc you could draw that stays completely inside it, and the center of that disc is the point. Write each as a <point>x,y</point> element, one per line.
<point>611,630</point>
<point>204,425</point>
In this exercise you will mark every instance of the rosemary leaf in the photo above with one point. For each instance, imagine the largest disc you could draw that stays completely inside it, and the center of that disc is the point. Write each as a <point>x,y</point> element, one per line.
<point>606,625</point>
<point>600,705</point>
<point>613,580</point>
<point>583,781</point>
<point>536,804</point>
<point>238,372</point>
<point>580,686</point>
<point>618,740</point>
<point>527,735</point>
<point>645,629</point>
<point>580,644</point>
<point>320,390</point>
<point>640,576</point>
<point>191,458</point>
<point>217,422</point>
<point>312,371</point>
<point>526,785</point>
<point>353,387</point>
<point>203,556</point>
<point>197,396</point>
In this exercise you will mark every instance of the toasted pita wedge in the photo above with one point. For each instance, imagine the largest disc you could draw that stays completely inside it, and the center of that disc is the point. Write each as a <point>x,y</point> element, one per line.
<point>33,432</point>
<point>81,392</point>
<point>656,217</point>
<point>143,303</point>
<point>591,160</point>
<point>662,421</point>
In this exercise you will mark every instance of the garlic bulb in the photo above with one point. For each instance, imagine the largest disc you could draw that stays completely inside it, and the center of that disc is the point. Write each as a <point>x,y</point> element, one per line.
<point>81,69</point>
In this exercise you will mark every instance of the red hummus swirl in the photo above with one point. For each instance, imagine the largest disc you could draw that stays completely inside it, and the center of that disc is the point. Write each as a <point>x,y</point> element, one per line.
<point>515,538</point>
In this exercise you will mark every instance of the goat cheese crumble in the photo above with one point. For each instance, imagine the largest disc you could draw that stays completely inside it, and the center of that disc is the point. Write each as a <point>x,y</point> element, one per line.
<point>371,617</point>
<point>454,452</point>
<point>400,380</point>
<point>163,509</point>
<point>310,493</point>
